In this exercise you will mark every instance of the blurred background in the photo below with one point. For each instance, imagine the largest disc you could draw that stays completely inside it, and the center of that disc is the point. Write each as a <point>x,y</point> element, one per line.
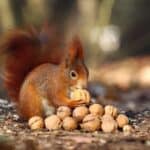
<point>114,28</point>
<point>115,35</point>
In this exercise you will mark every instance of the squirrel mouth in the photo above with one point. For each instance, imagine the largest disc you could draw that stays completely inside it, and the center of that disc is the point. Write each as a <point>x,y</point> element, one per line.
<point>80,85</point>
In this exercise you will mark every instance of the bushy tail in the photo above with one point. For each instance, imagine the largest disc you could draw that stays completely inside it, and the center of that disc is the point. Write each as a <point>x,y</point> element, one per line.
<point>26,49</point>
<point>22,49</point>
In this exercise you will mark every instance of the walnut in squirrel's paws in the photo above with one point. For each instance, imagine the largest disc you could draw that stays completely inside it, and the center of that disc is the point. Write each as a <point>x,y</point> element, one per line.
<point>80,94</point>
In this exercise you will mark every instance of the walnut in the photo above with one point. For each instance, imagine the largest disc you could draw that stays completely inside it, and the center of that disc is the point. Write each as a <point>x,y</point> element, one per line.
<point>53,122</point>
<point>122,120</point>
<point>80,94</point>
<point>69,123</point>
<point>63,111</point>
<point>36,122</point>
<point>96,109</point>
<point>80,112</point>
<point>109,126</point>
<point>91,123</point>
<point>111,110</point>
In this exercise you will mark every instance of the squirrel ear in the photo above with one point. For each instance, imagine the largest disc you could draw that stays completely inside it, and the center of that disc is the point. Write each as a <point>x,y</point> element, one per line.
<point>75,53</point>
<point>76,50</point>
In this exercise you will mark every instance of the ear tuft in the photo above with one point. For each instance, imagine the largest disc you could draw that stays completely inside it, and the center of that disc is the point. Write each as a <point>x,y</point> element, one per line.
<point>76,49</point>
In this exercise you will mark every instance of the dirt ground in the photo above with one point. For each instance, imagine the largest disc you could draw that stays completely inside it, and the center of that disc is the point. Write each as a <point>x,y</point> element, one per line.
<point>15,134</point>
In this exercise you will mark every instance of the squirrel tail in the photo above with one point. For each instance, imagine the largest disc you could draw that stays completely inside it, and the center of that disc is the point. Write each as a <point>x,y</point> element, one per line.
<point>22,50</point>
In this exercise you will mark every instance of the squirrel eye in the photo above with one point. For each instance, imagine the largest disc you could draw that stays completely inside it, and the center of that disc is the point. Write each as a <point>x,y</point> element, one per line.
<point>73,74</point>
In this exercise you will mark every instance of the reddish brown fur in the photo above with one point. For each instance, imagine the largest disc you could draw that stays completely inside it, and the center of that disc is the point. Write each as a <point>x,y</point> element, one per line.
<point>36,70</point>
<point>31,104</point>
<point>22,48</point>
<point>25,52</point>
<point>76,49</point>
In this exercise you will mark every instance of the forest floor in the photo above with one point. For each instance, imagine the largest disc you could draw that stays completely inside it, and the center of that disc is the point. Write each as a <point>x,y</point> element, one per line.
<point>15,134</point>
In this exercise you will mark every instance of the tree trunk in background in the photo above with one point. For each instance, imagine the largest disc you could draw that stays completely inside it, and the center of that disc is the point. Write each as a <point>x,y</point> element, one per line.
<point>17,7</point>
<point>6,16</point>
<point>61,11</point>
<point>133,18</point>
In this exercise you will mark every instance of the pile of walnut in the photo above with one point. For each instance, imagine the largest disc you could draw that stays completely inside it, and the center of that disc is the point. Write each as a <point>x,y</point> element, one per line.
<point>92,118</point>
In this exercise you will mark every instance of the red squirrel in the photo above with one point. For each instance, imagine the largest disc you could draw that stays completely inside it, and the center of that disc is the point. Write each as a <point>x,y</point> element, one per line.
<point>38,76</point>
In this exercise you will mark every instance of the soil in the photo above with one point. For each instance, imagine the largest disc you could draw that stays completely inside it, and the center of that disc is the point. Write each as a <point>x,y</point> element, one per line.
<point>15,134</point>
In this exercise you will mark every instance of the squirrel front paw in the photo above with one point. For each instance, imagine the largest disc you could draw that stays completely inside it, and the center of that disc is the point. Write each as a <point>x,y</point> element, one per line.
<point>81,95</point>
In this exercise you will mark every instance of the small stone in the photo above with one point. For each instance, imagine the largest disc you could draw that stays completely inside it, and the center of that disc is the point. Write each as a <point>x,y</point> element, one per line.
<point>9,131</point>
<point>127,129</point>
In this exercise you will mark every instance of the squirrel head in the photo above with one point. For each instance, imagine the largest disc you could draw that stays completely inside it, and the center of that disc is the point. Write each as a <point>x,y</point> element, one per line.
<point>76,72</point>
